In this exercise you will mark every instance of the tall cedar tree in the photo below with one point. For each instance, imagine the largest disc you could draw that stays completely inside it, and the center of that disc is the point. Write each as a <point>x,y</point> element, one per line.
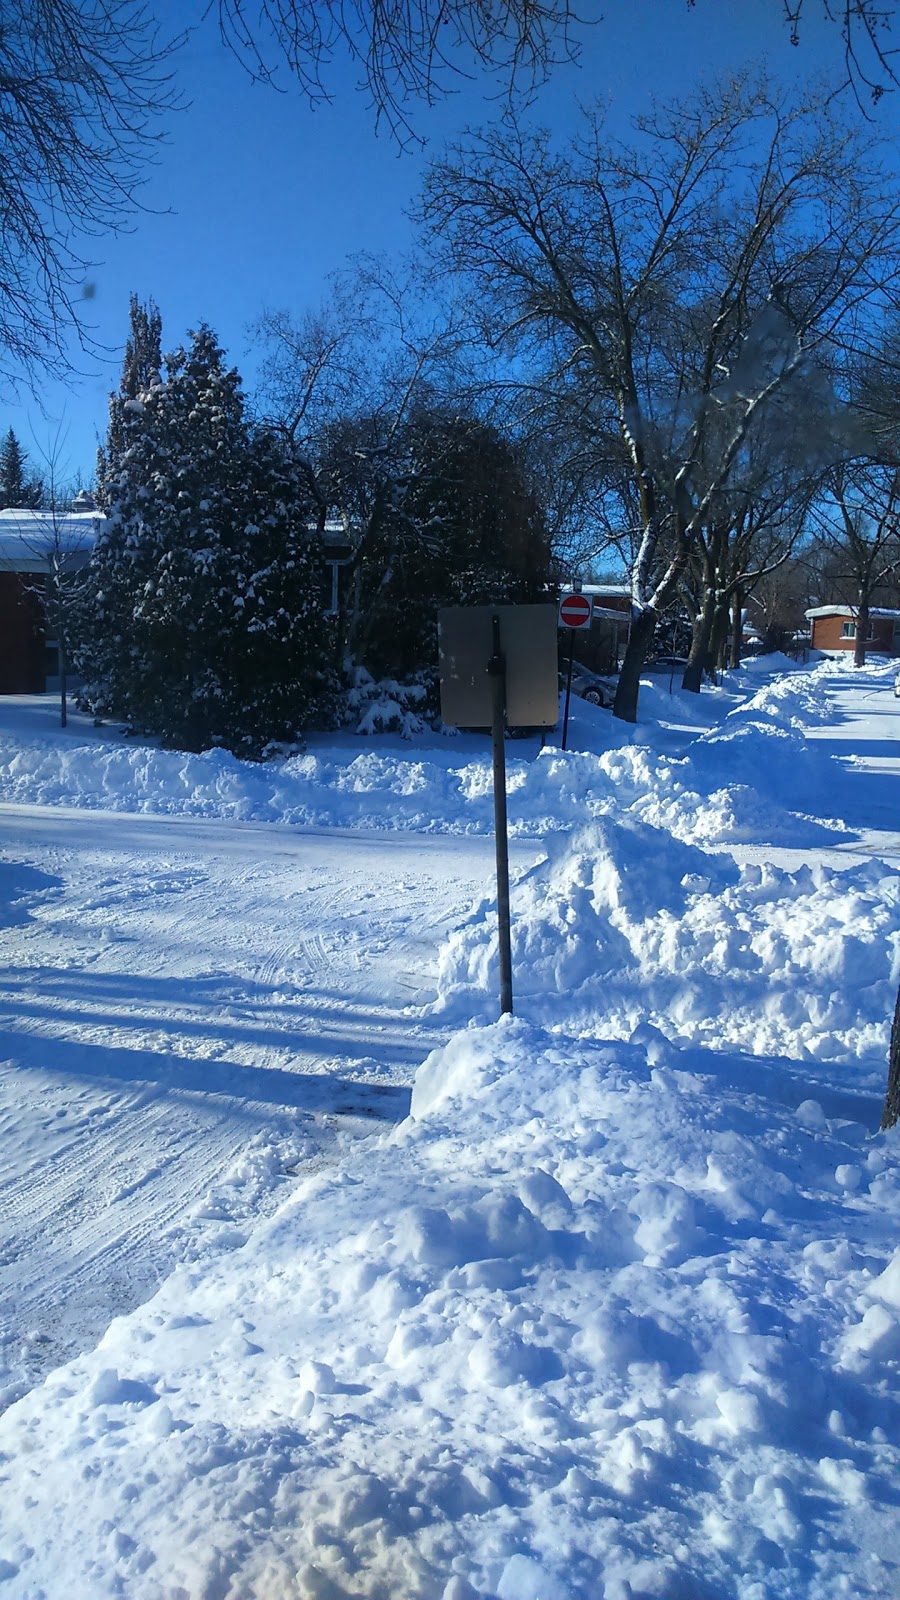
<point>141,368</point>
<point>105,637</point>
<point>204,615</point>
<point>19,490</point>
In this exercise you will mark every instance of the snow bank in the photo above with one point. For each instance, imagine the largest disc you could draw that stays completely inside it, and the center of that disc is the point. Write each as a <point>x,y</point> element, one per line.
<point>729,781</point>
<point>627,924</point>
<point>601,1319</point>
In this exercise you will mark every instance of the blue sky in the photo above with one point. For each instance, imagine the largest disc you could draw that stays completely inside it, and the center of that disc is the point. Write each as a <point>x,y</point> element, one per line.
<point>257,197</point>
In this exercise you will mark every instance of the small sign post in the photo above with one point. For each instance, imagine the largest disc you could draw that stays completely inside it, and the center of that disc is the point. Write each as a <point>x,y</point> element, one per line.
<point>497,674</point>
<point>499,665</point>
<point>575,611</point>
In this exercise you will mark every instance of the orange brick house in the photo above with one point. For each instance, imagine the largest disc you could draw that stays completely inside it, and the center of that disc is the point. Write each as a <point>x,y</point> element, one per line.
<point>834,629</point>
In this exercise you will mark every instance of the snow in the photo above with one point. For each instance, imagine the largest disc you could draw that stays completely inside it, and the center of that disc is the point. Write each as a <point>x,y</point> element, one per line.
<point>320,1281</point>
<point>28,538</point>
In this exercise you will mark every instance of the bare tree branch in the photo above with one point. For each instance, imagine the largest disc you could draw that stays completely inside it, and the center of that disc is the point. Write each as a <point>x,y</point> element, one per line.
<point>407,50</point>
<point>83,85</point>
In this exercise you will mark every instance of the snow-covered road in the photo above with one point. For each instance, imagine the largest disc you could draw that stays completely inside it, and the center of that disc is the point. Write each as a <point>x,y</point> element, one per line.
<point>190,1014</point>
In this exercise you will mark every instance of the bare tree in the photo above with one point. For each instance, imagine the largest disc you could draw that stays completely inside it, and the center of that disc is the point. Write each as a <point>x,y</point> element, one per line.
<point>759,513</point>
<point>410,50</point>
<point>858,521</point>
<point>58,538</point>
<point>83,84</point>
<point>734,554</point>
<point>682,284</point>
<point>349,386</point>
<point>890,1115</point>
<point>866,30</point>
<point>406,50</point>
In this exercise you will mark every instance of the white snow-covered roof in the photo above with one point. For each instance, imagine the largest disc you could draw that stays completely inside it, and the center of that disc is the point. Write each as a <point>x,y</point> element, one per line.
<point>28,538</point>
<point>848,611</point>
<point>610,612</point>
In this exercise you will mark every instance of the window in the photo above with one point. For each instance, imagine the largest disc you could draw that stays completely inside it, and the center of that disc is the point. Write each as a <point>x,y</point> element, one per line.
<point>848,630</point>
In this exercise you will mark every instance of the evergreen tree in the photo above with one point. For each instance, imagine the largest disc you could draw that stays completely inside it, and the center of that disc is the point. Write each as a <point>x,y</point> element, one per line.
<point>203,623</point>
<point>19,490</point>
<point>141,368</point>
<point>105,647</point>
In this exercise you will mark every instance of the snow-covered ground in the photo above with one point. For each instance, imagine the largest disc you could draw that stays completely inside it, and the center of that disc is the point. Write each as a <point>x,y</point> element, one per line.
<point>317,1280</point>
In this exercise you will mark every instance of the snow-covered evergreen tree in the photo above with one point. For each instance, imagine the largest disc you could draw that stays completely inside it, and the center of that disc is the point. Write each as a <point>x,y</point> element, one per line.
<point>105,650</point>
<point>141,367</point>
<point>19,489</point>
<point>205,624</point>
<point>276,676</point>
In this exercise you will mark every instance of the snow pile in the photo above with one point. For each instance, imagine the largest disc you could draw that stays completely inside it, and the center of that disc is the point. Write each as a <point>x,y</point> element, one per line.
<point>601,1319</point>
<point>730,783</point>
<point>627,924</point>
<point>792,701</point>
<point>775,661</point>
<point>761,741</point>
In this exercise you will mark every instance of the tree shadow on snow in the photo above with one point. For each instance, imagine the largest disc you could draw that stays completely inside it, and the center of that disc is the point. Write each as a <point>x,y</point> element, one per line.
<point>789,1083</point>
<point>310,1026</point>
<point>21,887</point>
<point>206,1078</point>
<point>861,799</point>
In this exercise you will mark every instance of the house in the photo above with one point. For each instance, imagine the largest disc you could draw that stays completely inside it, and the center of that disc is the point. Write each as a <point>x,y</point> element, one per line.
<point>32,544</point>
<point>603,647</point>
<point>833,629</point>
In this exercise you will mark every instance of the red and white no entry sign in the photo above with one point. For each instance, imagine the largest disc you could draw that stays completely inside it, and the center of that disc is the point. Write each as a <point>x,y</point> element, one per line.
<point>575,611</point>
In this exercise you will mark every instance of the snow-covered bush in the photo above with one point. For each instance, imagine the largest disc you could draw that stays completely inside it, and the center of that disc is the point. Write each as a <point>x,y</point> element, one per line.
<point>386,706</point>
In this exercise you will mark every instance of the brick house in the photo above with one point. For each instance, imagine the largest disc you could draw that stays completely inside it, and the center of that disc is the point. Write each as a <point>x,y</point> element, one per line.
<point>602,646</point>
<point>31,542</point>
<point>833,629</point>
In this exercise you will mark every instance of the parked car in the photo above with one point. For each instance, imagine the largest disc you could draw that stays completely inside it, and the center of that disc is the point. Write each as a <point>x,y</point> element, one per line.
<point>670,664</point>
<point>590,686</point>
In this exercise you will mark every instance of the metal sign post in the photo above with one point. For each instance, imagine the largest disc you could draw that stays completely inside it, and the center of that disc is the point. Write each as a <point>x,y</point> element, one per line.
<point>575,611</point>
<point>499,665</point>
<point>497,674</point>
<point>565,731</point>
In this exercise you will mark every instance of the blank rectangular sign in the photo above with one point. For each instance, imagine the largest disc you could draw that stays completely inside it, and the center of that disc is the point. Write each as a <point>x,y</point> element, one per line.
<point>528,642</point>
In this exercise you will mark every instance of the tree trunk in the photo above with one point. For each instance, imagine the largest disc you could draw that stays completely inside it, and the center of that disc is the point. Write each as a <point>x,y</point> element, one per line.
<point>891,1113</point>
<point>718,644</point>
<point>862,632</point>
<point>62,658</point>
<point>351,620</point>
<point>737,616</point>
<point>643,627</point>
<point>700,642</point>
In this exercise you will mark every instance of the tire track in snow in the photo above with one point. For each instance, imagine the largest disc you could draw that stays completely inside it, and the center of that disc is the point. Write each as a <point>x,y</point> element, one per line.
<point>192,1016</point>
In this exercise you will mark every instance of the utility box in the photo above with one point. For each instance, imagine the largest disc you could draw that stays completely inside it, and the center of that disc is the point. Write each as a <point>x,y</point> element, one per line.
<point>528,643</point>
